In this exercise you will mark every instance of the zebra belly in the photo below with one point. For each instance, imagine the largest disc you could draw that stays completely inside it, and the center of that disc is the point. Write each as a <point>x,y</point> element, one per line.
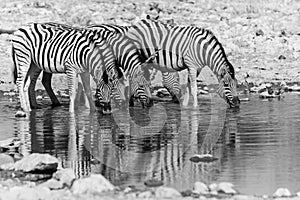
<point>167,62</point>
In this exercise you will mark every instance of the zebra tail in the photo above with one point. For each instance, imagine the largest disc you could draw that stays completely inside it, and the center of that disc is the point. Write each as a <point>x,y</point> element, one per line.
<point>14,67</point>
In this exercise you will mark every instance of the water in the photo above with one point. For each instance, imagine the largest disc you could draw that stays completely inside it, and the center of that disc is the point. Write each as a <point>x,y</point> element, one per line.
<point>258,146</point>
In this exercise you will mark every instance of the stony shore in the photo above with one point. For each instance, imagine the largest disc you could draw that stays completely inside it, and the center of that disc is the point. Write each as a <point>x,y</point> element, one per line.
<point>261,38</point>
<point>39,177</point>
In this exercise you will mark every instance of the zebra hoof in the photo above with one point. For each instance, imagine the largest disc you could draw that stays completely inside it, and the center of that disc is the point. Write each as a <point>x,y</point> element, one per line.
<point>20,113</point>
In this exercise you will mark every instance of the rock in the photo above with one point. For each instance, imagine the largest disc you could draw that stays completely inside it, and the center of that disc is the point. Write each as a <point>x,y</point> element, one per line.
<point>96,183</point>
<point>200,91</point>
<point>298,194</point>
<point>203,158</point>
<point>5,159</point>
<point>145,195</point>
<point>244,99</point>
<point>166,192</point>
<point>20,113</point>
<point>65,176</point>
<point>7,166</point>
<point>259,33</point>
<point>187,193</point>
<point>10,144</point>
<point>26,193</point>
<point>266,94</point>
<point>153,183</point>
<point>281,57</point>
<point>200,188</point>
<point>294,88</point>
<point>52,184</point>
<point>282,192</point>
<point>242,197</point>
<point>213,188</point>
<point>227,188</point>
<point>37,163</point>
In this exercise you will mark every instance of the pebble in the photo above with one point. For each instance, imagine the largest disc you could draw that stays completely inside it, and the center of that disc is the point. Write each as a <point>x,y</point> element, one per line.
<point>10,144</point>
<point>200,188</point>
<point>213,188</point>
<point>166,192</point>
<point>65,176</point>
<point>203,158</point>
<point>282,192</point>
<point>244,99</point>
<point>39,97</point>
<point>52,184</point>
<point>5,159</point>
<point>226,187</point>
<point>96,183</point>
<point>20,113</point>
<point>153,183</point>
<point>145,195</point>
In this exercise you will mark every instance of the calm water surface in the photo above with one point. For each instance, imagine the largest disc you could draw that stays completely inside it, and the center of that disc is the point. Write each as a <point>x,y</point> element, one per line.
<point>258,146</point>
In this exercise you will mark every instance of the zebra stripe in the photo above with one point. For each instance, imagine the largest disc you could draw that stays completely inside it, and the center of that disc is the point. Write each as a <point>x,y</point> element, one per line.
<point>170,80</point>
<point>186,47</point>
<point>39,47</point>
<point>127,59</point>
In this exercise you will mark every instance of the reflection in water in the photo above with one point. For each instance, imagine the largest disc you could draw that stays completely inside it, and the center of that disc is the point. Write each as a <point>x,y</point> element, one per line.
<point>257,147</point>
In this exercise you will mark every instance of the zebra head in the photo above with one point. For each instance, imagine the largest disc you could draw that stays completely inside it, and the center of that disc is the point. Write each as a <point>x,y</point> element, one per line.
<point>227,88</point>
<point>140,88</point>
<point>104,91</point>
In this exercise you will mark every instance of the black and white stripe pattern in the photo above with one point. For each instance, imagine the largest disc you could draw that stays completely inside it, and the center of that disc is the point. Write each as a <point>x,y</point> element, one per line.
<point>41,47</point>
<point>186,47</point>
<point>127,60</point>
<point>170,80</point>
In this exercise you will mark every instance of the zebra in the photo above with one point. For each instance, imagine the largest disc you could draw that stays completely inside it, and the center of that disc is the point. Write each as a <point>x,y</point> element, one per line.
<point>170,80</point>
<point>127,60</point>
<point>38,47</point>
<point>186,47</point>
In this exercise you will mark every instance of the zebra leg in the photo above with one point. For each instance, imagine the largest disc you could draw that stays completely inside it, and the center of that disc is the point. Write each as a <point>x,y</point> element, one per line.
<point>72,86</point>
<point>85,78</point>
<point>186,96</point>
<point>34,74</point>
<point>193,85</point>
<point>46,81</point>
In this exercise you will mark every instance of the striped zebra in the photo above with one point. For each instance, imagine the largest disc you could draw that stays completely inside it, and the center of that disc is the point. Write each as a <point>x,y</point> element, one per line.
<point>39,47</point>
<point>127,60</point>
<point>170,80</point>
<point>186,47</point>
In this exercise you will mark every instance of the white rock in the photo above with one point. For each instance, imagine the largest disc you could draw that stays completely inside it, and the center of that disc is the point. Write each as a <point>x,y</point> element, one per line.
<point>20,113</point>
<point>26,193</point>
<point>200,188</point>
<point>298,194</point>
<point>65,176</point>
<point>282,192</point>
<point>226,188</point>
<point>213,187</point>
<point>96,183</point>
<point>52,184</point>
<point>7,166</point>
<point>166,192</point>
<point>36,161</point>
<point>145,195</point>
<point>5,159</point>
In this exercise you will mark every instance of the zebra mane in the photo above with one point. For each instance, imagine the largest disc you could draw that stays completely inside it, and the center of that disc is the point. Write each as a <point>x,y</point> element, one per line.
<point>228,65</point>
